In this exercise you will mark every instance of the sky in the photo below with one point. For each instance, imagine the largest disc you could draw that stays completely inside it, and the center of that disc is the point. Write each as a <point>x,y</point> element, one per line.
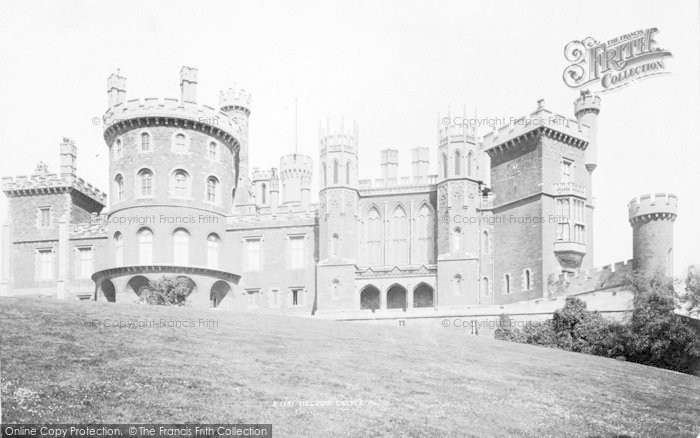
<point>392,66</point>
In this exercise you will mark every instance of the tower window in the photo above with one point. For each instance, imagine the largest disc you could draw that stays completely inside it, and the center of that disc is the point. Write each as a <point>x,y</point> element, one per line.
<point>458,163</point>
<point>118,149</point>
<point>180,143</point>
<point>444,165</point>
<point>145,142</point>
<point>506,284</point>
<point>145,176</point>
<point>297,297</point>
<point>263,194</point>
<point>485,286</point>
<point>213,151</point>
<point>181,247</point>
<point>335,244</point>
<point>566,167</point>
<point>323,175</point>
<point>335,172</point>
<point>119,181</point>
<point>145,241</point>
<point>213,243</point>
<point>44,217</point>
<point>457,240</point>
<point>457,285</point>
<point>118,249</point>
<point>527,280</point>
<point>347,173</point>
<point>181,184</point>
<point>212,189</point>
<point>470,158</point>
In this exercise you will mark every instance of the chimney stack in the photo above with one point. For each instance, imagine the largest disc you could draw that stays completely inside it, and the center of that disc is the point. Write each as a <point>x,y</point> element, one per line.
<point>116,89</point>
<point>390,163</point>
<point>188,84</point>
<point>420,162</point>
<point>69,155</point>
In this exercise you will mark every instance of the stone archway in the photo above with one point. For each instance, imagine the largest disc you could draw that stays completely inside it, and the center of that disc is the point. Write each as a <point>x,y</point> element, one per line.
<point>107,290</point>
<point>218,292</point>
<point>396,297</point>
<point>137,284</point>
<point>369,297</point>
<point>423,296</point>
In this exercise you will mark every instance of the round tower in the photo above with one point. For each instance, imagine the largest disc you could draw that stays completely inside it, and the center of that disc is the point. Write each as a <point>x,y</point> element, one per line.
<point>235,103</point>
<point>652,217</point>
<point>296,171</point>
<point>586,110</point>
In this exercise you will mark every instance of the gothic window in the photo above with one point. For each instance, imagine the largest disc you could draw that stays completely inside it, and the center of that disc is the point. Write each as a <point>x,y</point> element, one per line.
<point>180,184</point>
<point>323,175</point>
<point>373,237</point>
<point>213,243</point>
<point>399,237</point>
<point>181,247</point>
<point>457,240</point>
<point>347,173</point>
<point>118,249</point>
<point>263,194</point>
<point>470,159</point>
<point>485,286</point>
<point>335,172</point>
<point>458,163</point>
<point>335,246</point>
<point>145,242</point>
<point>444,165</point>
<point>145,177</point>
<point>425,245</point>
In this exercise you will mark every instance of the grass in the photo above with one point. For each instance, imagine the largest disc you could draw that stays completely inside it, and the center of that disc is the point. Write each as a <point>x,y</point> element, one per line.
<point>313,377</point>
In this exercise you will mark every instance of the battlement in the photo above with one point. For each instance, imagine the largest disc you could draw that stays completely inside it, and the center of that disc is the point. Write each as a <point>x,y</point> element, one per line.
<point>605,277</point>
<point>151,107</point>
<point>43,182</point>
<point>403,184</point>
<point>456,134</point>
<point>264,175</point>
<point>235,99</point>
<point>296,166</point>
<point>339,139</point>
<point>587,102</point>
<point>657,206</point>
<point>88,230</point>
<point>551,124</point>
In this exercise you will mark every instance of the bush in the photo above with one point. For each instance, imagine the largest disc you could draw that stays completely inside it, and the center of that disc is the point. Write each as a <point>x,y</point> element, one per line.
<point>167,291</point>
<point>506,331</point>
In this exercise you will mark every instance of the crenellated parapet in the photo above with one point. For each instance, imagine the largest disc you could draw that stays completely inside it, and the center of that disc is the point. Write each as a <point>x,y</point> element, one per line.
<point>541,122</point>
<point>235,99</point>
<point>659,206</point>
<point>609,276</point>
<point>586,102</point>
<point>339,139</point>
<point>43,182</point>
<point>296,167</point>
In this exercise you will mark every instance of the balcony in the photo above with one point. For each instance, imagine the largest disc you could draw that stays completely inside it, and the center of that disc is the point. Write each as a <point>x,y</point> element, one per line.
<point>569,254</point>
<point>569,189</point>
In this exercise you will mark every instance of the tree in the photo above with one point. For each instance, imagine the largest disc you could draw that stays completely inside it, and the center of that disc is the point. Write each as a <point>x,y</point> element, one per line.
<point>691,298</point>
<point>167,291</point>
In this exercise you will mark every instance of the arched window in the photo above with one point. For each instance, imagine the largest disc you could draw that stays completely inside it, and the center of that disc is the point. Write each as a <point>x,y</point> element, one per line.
<point>425,235</point>
<point>485,244</point>
<point>373,237</point>
<point>335,246</point>
<point>399,237</point>
<point>119,181</point>
<point>457,285</point>
<point>263,193</point>
<point>212,190</point>
<point>335,285</point>
<point>145,177</point>
<point>213,242</point>
<point>180,184</point>
<point>323,175</point>
<point>145,142</point>
<point>118,149</point>
<point>145,241</point>
<point>335,172</point>
<point>527,283</point>
<point>457,240</point>
<point>444,165</point>
<point>470,158</point>
<point>118,249</point>
<point>213,151</point>
<point>458,163</point>
<point>485,286</point>
<point>180,142</point>
<point>347,173</point>
<point>506,284</point>
<point>181,247</point>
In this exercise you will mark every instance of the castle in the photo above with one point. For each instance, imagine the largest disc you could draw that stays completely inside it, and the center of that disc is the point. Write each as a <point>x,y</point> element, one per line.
<point>508,218</point>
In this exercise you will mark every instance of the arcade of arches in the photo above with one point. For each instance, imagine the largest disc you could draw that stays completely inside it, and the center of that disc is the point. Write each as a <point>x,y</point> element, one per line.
<point>396,297</point>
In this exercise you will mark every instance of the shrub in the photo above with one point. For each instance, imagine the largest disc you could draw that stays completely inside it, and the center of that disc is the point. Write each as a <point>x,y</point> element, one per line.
<point>506,330</point>
<point>167,291</point>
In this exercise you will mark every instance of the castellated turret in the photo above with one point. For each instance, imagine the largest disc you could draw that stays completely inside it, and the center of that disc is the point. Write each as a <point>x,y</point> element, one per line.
<point>586,110</point>
<point>296,171</point>
<point>338,156</point>
<point>652,217</point>
<point>236,103</point>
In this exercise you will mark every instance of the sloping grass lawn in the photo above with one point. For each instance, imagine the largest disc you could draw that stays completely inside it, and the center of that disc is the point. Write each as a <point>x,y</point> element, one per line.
<point>62,362</point>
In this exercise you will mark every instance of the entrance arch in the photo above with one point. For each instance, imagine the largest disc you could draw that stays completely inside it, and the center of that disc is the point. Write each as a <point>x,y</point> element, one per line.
<point>219,290</point>
<point>108,291</point>
<point>369,297</point>
<point>137,284</point>
<point>423,296</point>
<point>396,297</point>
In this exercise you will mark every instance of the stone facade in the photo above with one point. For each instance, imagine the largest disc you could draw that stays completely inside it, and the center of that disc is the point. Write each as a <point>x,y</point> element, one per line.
<point>507,218</point>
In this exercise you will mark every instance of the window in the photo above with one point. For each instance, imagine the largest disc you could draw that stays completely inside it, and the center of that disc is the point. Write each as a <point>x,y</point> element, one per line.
<point>145,177</point>
<point>180,184</point>
<point>470,159</point>
<point>457,285</point>
<point>563,215</point>
<point>323,175</point>
<point>444,165</point>
<point>213,243</point>
<point>212,189</point>
<point>44,217</point>
<point>335,246</point>
<point>253,252</point>
<point>253,297</point>
<point>458,163</point>
<point>506,284</point>
<point>118,249</point>
<point>213,151</point>
<point>118,149</point>
<point>373,237</point>
<point>425,224</point>
<point>263,194</point>
<point>297,297</point>
<point>119,181</point>
<point>296,251</point>
<point>399,237</point>
<point>485,244</point>
<point>335,172</point>
<point>527,280</point>
<point>145,241</point>
<point>579,233</point>
<point>335,285</point>
<point>485,286</point>
<point>275,297</point>
<point>566,166</point>
<point>145,142</point>
<point>347,173</point>
<point>84,265</point>
<point>457,240</point>
<point>45,264</point>
<point>180,143</point>
<point>181,247</point>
